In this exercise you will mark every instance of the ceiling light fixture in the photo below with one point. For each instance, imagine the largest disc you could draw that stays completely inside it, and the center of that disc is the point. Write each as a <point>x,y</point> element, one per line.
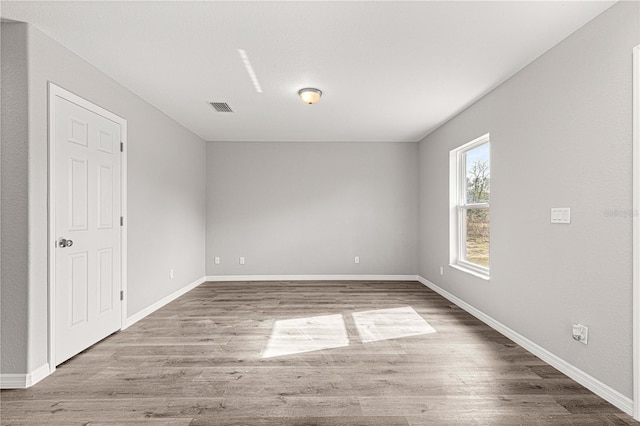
<point>310,95</point>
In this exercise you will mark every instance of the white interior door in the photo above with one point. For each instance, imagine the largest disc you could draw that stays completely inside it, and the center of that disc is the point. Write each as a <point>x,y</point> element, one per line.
<point>87,255</point>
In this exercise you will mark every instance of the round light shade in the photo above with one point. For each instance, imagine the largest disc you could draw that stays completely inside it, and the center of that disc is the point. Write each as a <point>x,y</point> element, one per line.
<point>309,95</point>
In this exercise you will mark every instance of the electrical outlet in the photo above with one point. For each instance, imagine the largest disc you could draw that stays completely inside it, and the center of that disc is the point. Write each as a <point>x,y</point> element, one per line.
<point>241,260</point>
<point>216,260</point>
<point>441,270</point>
<point>356,259</point>
<point>171,273</point>
<point>580,333</point>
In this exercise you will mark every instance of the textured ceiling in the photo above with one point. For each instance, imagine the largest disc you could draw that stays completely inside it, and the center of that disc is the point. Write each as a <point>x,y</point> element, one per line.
<point>390,71</point>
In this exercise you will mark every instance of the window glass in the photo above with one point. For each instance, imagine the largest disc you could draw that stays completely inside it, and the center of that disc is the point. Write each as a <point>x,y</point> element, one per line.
<point>476,230</point>
<point>477,174</point>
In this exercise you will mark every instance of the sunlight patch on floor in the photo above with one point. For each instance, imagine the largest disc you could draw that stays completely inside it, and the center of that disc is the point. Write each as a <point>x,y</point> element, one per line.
<point>384,324</point>
<point>299,335</point>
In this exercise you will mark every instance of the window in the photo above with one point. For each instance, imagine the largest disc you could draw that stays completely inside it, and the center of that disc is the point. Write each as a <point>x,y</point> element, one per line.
<point>470,193</point>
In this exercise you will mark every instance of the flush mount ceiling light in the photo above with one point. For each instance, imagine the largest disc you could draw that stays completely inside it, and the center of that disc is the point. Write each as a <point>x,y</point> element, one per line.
<point>310,95</point>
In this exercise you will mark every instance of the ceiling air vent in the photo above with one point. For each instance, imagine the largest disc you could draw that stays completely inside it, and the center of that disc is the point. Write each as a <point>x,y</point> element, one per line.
<point>221,106</point>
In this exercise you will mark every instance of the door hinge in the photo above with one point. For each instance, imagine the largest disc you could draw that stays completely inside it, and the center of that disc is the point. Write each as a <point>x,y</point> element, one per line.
<point>121,295</point>
<point>121,221</point>
<point>121,146</point>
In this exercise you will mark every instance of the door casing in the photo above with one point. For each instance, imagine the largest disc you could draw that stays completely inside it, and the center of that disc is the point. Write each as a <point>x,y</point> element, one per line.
<point>57,91</point>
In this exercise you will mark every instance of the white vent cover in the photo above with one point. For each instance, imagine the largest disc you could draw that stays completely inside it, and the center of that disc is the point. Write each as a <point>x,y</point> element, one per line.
<point>221,106</point>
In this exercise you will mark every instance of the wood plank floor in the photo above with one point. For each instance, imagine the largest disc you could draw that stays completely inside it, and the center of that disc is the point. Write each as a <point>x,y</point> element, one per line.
<point>205,359</point>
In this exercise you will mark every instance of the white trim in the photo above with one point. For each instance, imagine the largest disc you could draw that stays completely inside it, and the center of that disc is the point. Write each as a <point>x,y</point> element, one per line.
<point>13,381</point>
<point>39,374</point>
<point>221,278</point>
<point>21,381</point>
<point>54,91</point>
<point>162,302</point>
<point>470,270</point>
<point>125,226</point>
<point>594,385</point>
<point>636,232</point>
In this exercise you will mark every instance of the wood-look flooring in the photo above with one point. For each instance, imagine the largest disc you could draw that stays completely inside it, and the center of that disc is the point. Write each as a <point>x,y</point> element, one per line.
<point>198,361</point>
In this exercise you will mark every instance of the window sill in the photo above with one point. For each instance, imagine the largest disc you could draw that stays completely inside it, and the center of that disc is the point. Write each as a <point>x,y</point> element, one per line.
<point>470,271</point>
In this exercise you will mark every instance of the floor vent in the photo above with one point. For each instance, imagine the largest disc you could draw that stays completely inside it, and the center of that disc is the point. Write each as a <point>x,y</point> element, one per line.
<point>221,106</point>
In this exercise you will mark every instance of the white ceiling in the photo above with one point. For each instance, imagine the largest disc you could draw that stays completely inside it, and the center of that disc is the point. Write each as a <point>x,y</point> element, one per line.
<point>390,71</point>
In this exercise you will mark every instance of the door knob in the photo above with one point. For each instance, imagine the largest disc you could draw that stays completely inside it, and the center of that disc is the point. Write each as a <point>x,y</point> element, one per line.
<point>62,243</point>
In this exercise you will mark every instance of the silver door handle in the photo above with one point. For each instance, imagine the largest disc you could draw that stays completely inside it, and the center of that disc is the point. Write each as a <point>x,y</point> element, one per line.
<point>62,243</point>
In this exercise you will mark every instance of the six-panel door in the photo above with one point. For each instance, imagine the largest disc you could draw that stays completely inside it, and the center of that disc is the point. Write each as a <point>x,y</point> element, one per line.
<point>87,218</point>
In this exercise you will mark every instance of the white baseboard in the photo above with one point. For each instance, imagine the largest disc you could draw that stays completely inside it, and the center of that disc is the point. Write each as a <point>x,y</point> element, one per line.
<point>21,381</point>
<point>594,385</point>
<point>160,303</point>
<point>219,278</point>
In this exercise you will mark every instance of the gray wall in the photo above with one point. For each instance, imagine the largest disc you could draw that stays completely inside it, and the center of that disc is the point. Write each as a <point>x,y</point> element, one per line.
<point>14,208</point>
<point>309,208</point>
<point>561,136</point>
<point>166,198</point>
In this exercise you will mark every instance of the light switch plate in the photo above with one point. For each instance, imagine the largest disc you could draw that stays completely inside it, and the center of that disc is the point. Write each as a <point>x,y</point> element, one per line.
<point>560,215</point>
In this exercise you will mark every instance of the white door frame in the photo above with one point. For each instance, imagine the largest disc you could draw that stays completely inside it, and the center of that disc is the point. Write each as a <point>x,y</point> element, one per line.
<point>636,232</point>
<point>57,91</point>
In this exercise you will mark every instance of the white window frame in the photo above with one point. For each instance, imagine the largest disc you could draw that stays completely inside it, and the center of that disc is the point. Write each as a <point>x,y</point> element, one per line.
<point>459,207</point>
